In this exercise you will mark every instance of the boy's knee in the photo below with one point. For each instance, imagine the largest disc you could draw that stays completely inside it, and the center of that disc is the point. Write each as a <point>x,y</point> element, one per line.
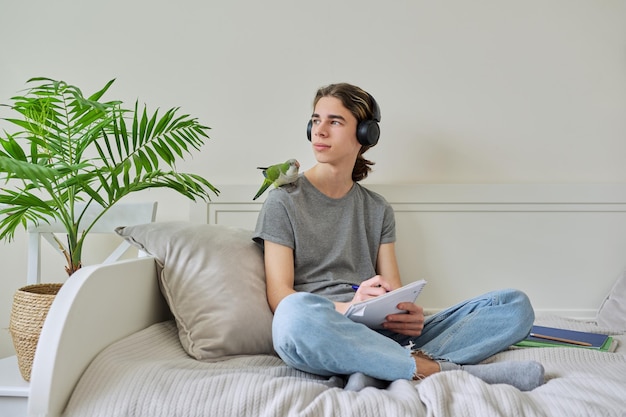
<point>295,308</point>
<point>521,303</point>
<point>295,320</point>
<point>295,315</point>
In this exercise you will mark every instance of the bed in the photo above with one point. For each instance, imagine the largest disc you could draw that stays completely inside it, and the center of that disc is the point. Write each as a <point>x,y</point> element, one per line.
<point>184,332</point>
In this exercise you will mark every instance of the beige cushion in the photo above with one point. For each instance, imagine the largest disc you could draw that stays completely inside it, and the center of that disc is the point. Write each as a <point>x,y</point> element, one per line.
<point>612,312</point>
<point>213,280</point>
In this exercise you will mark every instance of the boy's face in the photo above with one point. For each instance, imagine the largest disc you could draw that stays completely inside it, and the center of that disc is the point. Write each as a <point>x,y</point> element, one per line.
<point>333,134</point>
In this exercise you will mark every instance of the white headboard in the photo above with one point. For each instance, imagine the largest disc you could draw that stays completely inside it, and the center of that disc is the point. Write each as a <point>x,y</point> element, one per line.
<point>564,245</point>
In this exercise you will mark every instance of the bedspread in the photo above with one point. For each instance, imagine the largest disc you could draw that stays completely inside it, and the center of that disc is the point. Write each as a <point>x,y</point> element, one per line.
<point>149,374</point>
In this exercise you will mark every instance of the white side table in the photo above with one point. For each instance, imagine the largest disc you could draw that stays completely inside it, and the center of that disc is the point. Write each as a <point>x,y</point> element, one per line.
<point>13,389</point>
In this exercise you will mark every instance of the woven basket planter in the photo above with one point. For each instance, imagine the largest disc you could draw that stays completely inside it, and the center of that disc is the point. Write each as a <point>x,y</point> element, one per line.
<point>30,308</point>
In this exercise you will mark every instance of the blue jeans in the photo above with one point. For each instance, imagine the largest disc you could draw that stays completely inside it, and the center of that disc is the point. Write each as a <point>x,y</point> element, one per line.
<point>310,335</point>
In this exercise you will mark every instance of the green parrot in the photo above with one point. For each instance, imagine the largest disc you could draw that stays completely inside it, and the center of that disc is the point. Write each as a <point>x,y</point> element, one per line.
<point>279,174</point>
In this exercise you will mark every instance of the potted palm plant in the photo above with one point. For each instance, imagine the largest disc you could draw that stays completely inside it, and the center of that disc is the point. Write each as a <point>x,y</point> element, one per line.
<point>71,153</point>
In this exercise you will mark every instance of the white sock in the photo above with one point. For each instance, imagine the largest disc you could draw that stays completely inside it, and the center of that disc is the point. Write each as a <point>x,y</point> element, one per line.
<point>358,381</point>
<point>524,375</point>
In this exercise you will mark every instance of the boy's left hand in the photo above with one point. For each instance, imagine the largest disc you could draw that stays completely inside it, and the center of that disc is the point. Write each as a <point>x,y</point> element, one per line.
<point>410,323</point>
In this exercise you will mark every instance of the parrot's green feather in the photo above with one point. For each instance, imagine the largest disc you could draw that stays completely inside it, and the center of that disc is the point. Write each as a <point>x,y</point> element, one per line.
<point>273,172</point>
<point>278,174</point>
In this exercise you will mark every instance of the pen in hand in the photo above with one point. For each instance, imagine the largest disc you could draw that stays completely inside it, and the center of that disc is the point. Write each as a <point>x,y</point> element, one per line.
<point>356,287</point>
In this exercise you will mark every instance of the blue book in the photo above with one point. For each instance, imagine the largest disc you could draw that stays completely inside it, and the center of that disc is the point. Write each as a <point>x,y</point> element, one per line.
<point>563,337</point>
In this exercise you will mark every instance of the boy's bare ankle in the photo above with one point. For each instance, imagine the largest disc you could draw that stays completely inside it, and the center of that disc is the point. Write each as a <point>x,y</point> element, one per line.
<point>424,365</point>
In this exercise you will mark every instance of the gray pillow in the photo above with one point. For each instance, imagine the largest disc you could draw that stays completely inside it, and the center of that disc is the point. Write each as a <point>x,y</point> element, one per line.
<point>612,312</point>
<point>213,279</point>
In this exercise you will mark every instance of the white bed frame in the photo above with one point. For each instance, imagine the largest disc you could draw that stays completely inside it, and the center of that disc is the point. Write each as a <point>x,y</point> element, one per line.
<point>96,306</point>
<point>562,244</point>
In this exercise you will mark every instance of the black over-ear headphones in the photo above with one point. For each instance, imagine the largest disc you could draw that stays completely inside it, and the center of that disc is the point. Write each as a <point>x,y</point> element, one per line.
<point>367,131</point>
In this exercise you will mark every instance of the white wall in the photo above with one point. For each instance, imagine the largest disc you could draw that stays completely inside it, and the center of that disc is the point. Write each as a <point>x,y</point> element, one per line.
<point>487,91</point>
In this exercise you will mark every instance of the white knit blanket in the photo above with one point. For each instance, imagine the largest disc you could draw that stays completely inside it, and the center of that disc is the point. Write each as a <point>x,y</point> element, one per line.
<point>148,374</point>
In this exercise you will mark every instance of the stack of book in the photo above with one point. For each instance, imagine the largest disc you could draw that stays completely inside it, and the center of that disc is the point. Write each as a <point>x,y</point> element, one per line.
<point>541,336</point>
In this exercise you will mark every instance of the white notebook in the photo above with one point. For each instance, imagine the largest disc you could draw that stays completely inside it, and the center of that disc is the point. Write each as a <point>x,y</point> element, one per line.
<point>372,312</point>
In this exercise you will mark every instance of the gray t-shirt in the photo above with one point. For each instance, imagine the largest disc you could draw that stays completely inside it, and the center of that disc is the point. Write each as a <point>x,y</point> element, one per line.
<point>335,241</point>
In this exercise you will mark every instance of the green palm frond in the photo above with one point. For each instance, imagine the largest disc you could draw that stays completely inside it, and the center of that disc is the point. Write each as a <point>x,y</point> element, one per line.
<point>70,148</point>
